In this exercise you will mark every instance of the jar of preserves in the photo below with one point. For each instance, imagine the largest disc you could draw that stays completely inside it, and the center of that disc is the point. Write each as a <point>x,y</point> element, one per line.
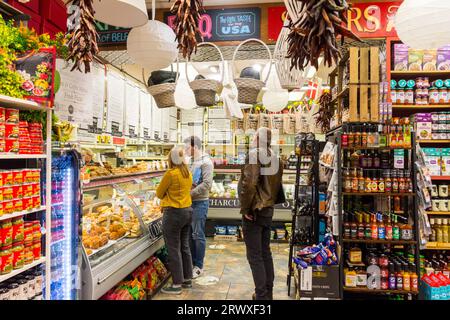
<point>433,96</point>
<point>4,293</point>
<point>13,288</point>
<point>28,255</point>
<point>400,96</point>
<point>31,286</point>
<point>38,282</point>
<point>37,250</point>
<point>6,255</point>
<point>28,232</point>
<point>443,96</point>
<point>23,289</point>
<point>394,96</point>
<point>18,251</point>
<point>17,230</point>
<point>406,232</point>
<point>6,232</point>
<point>409,96</point>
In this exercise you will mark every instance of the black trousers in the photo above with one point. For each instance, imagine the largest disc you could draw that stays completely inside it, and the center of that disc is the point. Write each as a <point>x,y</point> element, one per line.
<point>176,230</point>
<point>259,256</point>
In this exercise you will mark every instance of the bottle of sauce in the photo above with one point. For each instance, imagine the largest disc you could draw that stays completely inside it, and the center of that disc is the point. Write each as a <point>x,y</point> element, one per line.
<point>363,159</point>
<point>361,226</point>
<point>355,181</point>
<point>406,279</point>
<point>370,136</point>
<point>432,237</point>
<point>357,138</point>
<point>369,159</point>
<point>374,187</point>
<point>397,204</point>
<point>414,278</point>
<point>445,233</point>
<point>376,136</point>
<point>381,136</point>
<point>381,228</point>
<point>361,181</point>
<point>395,229</point>
<point>364,136</point>
<point>408,182</point>
<point>400,137</point>
<point>394,181</point>
<point>398,277</point>
<point>387,181</point>
<point>438,229</point>
<point>367,228</point>
<point>376,160</point>
<point>347,229</point>
<point>347,181</point>
<point>355,159</point>
<point>374,227</point>
<point>368,187</point>
<point>392,278</point>
<point>344,136</point>
<point>351,136</point>
<point>389,234</point>
<point>385,156</point>
<point>401,183</point>
<point>393,137</point>
<point>354,228</point>
<point>381,183</point>
<point>407,137</point>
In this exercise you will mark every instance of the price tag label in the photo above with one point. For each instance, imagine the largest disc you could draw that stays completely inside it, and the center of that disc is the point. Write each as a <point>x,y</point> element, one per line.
<point>306,279</point>
<point>138,181</point>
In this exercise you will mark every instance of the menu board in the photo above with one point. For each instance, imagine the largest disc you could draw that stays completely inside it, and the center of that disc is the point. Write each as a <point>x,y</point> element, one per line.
<point>116,103</point>
<point>156,122</point>
<point>80,98</point>
<point>145,103</point>
<point>192,116</point>
<point>131,110</point>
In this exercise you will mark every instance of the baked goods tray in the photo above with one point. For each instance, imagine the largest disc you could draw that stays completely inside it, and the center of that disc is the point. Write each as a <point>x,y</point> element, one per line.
<point>106,246</point>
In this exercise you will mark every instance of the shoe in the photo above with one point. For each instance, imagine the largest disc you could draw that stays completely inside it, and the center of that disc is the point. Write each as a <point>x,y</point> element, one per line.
<point>254,296</point>
<point>187,284</point>
<point>171,290</point>
<point>197,272</point>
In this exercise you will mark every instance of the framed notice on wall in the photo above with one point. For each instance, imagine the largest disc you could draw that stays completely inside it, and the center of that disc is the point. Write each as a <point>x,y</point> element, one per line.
<point>115,103</point>
<point>145,119</point>
<point>81,97</point>
<point>165,124</point>
<point>156,122</point>
<point>131,109</point>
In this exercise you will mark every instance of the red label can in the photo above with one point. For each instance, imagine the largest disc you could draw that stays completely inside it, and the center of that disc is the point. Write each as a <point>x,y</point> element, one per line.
<point>8,178</point>
<point>12,116</point>
<point>17,192</point>
<point>8,193</point>
<point>18,205</point>
<point>11,145</point>
<point>36,191</point>
<point>27,175</point>
<point>17,176</point>
<point>28,190</point>
<point>2,145</point>
<point>36,202</point>
<point>2,130</point>
<point>28,204</point>
<point>11,131</point>
<point>8,207</point>
<point>2,115</point>
<point>37,175</point>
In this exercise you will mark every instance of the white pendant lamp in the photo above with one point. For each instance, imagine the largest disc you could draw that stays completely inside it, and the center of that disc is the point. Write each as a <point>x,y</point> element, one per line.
<point>184,96</point>
<point>152,45</point>
<point>275,100</point>
<point>423,24</point>
<point>121,13</point>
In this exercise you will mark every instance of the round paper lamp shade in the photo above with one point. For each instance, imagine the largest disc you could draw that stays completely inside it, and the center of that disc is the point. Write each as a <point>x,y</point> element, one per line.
<point>275,100</point>
<point>423,24</point>
<point>184,96</point>
<point>152,45</point>
<point>121,13</point>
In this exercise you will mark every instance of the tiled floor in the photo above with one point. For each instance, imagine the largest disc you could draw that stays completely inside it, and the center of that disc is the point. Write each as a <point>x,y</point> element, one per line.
<point>230,266</point>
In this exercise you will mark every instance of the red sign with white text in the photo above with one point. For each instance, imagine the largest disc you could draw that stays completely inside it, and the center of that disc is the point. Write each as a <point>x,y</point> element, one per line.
<point>367,20</point>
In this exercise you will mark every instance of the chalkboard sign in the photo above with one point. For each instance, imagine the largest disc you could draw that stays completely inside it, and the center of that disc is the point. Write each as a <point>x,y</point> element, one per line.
<point>226,24</point>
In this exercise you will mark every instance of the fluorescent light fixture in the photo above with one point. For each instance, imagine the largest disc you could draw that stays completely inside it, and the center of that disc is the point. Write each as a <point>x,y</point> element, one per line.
<point>214,69</point>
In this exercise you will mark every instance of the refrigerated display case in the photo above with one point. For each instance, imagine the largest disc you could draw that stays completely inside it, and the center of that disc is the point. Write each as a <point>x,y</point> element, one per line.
<point>65,229</point>
<point>121,226</point>
<point>224,203</point>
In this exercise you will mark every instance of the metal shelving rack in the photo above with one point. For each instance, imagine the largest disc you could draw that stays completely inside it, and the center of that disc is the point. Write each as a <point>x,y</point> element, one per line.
<point>414,210</point>
<point>313,200</point>
<point>27,105</point>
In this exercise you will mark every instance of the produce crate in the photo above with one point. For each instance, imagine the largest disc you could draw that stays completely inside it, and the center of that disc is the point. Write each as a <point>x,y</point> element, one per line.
<point>364,84</point>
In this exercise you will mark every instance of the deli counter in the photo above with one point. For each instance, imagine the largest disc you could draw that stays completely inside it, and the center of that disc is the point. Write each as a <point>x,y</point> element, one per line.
<point>122,227</point>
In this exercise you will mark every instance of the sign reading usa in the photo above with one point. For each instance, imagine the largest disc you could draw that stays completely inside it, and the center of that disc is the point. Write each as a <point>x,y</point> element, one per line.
<point>226,24</point>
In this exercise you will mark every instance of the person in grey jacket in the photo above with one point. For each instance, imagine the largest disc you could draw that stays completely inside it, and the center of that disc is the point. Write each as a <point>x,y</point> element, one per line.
<point>202,177</point>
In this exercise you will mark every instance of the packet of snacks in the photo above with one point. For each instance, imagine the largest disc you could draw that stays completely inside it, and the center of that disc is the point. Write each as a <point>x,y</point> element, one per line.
<point>327,157</point>
<point>250,122</point>
<point>263,120</point>
<point>289,123</point>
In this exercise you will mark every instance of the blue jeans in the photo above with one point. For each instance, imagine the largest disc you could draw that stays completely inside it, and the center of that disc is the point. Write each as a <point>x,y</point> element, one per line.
<point>198,239</point>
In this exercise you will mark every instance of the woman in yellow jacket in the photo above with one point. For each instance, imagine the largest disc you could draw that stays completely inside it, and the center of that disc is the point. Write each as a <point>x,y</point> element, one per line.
<point>175,194</point>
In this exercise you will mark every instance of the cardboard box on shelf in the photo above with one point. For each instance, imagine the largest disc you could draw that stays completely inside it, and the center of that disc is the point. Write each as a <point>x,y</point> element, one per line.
<point>318,282</point>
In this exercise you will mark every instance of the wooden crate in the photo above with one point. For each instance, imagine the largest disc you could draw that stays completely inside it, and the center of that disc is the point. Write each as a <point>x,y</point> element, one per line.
<point>364,84</point>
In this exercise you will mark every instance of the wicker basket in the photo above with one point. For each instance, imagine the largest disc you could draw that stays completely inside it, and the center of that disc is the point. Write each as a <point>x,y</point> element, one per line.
<point>205,90</point>
<point>248,88</point>
<point>164,94</point>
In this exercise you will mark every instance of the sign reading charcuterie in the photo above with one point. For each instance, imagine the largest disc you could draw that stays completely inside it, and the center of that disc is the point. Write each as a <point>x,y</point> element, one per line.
<point>367,20</point>
<point>235,203</point>
<point>226,24</point>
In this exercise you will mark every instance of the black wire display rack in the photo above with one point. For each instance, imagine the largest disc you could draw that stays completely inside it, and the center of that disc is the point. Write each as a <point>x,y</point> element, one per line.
<point>305,213</point>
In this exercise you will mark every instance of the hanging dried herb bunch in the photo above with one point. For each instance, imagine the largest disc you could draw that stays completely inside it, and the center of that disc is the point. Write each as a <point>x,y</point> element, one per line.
<point>326,111</point>
<point>315,32</point>
<point>83,35</point>
<point>187,15</point>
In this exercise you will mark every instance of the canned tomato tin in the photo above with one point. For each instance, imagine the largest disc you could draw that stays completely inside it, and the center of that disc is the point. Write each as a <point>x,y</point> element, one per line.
<point>11,131</point>
<point>8,207</point>
<point>36,202</point>
<point>28,190</point>
<point>18,229</point>
<point>37,250</point>
<point>17,192</point>
<point>11,145</point>
<point>28,204</point>
<point>17,176</point>
<point>18,205</point>
<point>2,130</point>
<point>2,115</point>
<point>8,193</point>
<point>12,116</point>
<point>36,175</point>
<point>28,176</point>
<point>36,191</point>
<point>7,177</point>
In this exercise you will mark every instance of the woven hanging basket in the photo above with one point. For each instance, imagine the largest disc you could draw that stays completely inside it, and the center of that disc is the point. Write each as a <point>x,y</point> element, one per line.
<point>289,79</point>
<point>248,88</point>
<point>205,90</point>
<point>164,94</point>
